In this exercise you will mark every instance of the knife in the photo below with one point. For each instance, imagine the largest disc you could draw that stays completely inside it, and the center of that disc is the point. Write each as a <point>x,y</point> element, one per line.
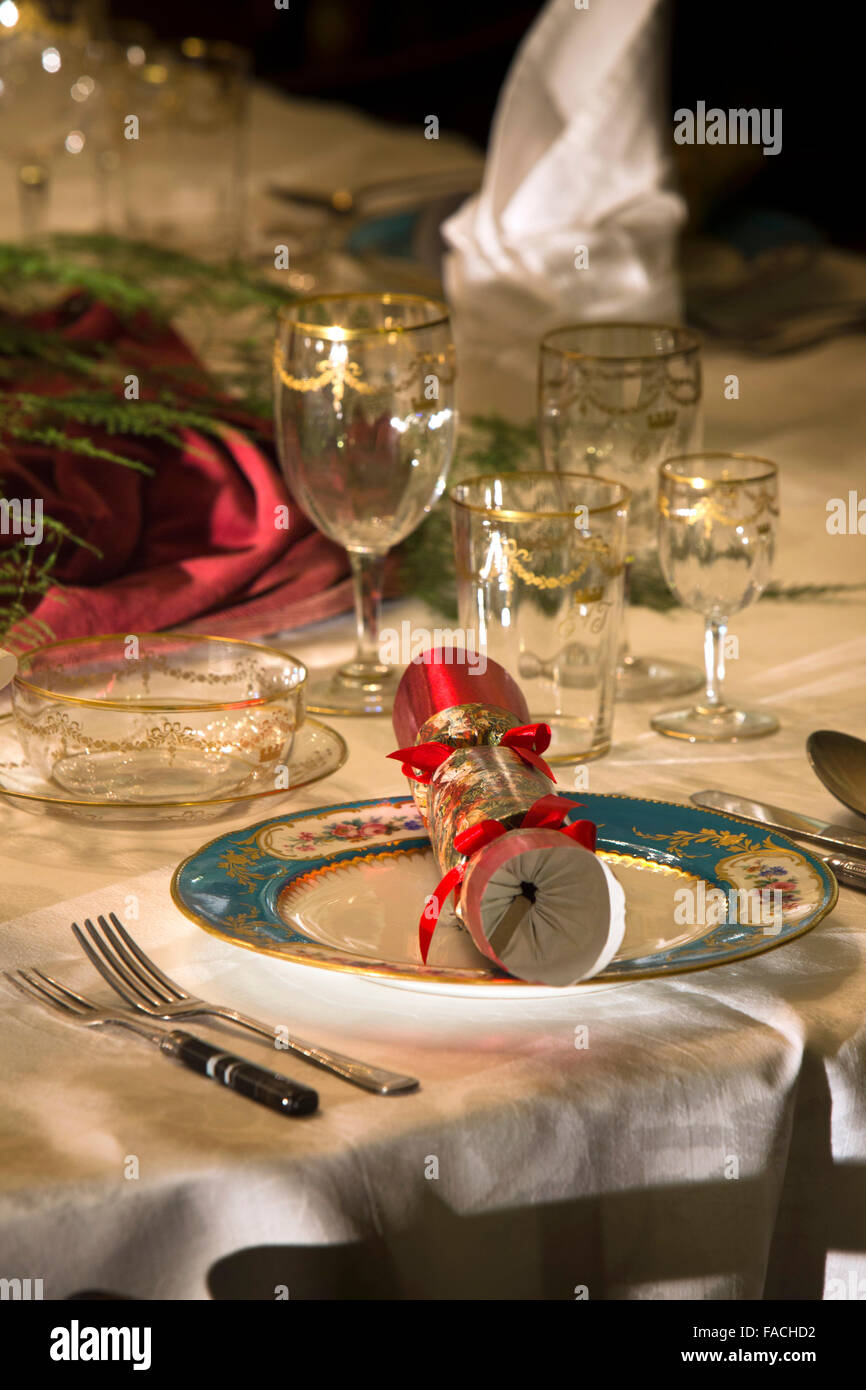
<point>387,195</point>
<point>832,837</point>
<point>851,872</point>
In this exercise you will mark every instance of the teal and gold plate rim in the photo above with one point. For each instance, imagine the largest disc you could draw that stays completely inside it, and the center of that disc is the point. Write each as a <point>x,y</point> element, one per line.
<point>231,886</point>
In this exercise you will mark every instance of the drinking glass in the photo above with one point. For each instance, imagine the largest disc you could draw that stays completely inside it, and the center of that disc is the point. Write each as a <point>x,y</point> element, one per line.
<point>183,175</point>
<point>540,560</point>
<point>365,423</point>
<point>54,119</point>
<point>617,399</point>
<point>717,533</point>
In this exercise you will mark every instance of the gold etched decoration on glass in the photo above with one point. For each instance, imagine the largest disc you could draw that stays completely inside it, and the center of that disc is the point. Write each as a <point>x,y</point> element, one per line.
<point>540,560</point>
<point>336,372</point>
<point>114,717</point>
<point>731,506</point>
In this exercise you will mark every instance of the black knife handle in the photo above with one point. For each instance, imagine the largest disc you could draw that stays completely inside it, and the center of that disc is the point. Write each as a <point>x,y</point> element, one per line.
<point>266,1087</point>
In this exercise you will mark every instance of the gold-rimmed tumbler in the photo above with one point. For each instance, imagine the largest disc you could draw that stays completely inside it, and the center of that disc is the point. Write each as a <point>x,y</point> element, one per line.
<point>540,560</point>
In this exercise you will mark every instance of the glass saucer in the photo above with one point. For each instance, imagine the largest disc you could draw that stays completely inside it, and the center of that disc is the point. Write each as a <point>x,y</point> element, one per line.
<point>318,751</point>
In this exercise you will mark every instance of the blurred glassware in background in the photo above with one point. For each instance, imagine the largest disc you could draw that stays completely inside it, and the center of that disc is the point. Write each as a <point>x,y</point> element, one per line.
<point>616,399</point>
<point>180,116</point>
<point>540,561</point>
<point>391,227</point>
<point>717,524</point>
<point>365,424</point>
<point>54,115</point>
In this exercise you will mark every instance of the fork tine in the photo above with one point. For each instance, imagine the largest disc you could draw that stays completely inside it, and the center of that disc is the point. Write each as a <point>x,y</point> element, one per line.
<point>145,960</point>
<point>148,981</point>
<point>69,995</point>
<point>113,974</point>
<point>24,982</point>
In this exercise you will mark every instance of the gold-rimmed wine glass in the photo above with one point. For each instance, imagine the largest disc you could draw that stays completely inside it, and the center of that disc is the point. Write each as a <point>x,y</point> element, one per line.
<point>717,534</point>
<point>365,424</point>
<point>615,399</point>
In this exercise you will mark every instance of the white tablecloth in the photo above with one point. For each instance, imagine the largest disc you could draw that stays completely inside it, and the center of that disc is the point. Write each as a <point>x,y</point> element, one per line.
<point>709,1142</point>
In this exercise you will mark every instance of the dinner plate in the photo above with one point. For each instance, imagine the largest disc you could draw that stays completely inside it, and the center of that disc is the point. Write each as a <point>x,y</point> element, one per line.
<point>317,751</point>
<point>342,888</point>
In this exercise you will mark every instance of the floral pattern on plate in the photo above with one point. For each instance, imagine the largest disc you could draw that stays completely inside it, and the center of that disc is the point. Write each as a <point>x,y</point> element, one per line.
<point>327,833</point>
<point>235,887</point>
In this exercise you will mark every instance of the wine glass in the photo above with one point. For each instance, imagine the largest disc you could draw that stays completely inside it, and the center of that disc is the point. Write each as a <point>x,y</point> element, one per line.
<point>614,399</point>
<point>365,423</point>
<point>717,533</point>
<point>53,116</point>
<point>183,180</point>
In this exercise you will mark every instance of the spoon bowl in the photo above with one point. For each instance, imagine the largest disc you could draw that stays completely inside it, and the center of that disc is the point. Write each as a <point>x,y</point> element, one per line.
<point>839,760</point>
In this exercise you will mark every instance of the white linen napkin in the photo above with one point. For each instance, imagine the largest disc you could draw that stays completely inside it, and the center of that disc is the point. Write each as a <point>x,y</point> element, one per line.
<point>578,158</point>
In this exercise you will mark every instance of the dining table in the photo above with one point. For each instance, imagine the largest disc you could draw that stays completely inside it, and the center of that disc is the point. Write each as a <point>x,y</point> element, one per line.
<point>697,1136</point>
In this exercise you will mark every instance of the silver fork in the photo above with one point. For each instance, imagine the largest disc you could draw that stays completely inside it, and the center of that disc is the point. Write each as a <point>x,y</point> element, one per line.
<point>247,1078</point>
<point>136,978</point>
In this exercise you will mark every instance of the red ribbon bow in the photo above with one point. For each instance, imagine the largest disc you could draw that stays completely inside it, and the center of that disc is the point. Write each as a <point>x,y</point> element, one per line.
<point>528,741</point>
<point>548,813</point>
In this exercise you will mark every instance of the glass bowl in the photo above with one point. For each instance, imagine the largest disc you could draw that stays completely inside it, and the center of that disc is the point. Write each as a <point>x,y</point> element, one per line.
<point>159,716</point>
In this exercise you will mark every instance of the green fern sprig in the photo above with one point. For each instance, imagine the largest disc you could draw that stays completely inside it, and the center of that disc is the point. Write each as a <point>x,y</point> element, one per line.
<point>131,276</point>
<point>25,578</point>
<point>227,284</point>
<point>135,418</point>
<point>134,279</point>
<point>73,444</point>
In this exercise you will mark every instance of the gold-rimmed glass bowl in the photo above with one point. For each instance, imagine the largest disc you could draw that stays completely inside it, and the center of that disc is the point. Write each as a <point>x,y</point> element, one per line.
<point>718,517</point>
<point>365,424</point>
<point>617,399</point>
<point>157,717</point>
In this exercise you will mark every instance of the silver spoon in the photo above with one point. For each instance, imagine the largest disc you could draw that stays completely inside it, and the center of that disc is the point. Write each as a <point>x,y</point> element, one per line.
<point>839,760</point>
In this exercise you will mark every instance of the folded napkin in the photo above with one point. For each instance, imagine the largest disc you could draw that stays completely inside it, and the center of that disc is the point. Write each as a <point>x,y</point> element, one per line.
<point>578,158</point>
<point>195,543</point>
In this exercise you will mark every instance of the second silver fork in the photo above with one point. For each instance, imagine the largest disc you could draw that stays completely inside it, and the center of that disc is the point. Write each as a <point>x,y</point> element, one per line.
<point>139,981</point>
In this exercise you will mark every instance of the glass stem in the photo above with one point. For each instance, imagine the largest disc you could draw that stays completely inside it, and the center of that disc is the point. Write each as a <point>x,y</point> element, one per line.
<point>367,575</point>
<point>714,662</point>
<point>33,197</point>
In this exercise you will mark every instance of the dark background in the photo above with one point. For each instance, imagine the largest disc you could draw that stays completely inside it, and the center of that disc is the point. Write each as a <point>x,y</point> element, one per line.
<point>402,61</point>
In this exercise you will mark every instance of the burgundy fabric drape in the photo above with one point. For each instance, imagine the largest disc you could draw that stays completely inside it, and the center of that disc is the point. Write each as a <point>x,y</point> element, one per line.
<point>194,544</point>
